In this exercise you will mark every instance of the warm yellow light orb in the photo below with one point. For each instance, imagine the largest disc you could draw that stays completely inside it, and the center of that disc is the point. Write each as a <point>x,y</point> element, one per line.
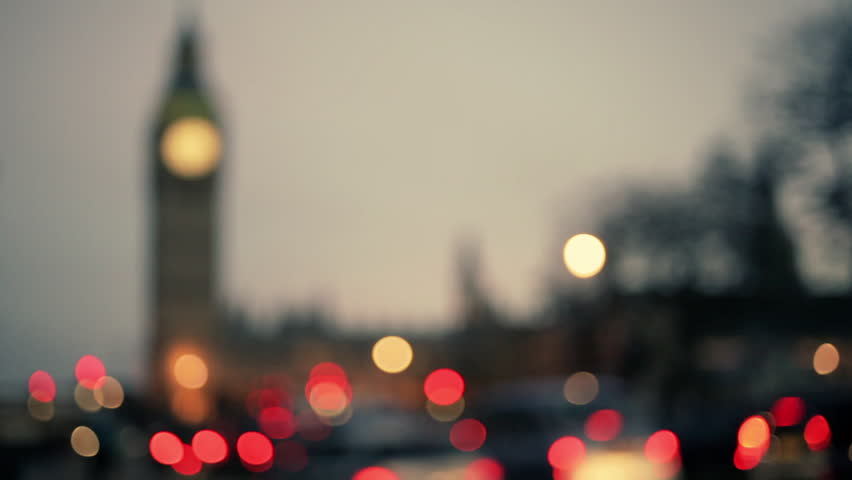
<point>108,392</point>
<point>584,255</point>
<point>392,354</point>
<point>85,399</point>
<point>826,359</point>
<point>581,388</point>
<point>85,442</point>
<point>328,399</point>
<point>190,371</point>
<point>191,147</point>
<point>615,464</point>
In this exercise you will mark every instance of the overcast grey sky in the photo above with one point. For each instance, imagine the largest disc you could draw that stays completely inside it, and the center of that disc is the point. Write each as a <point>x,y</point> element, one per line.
<point>365,139</point>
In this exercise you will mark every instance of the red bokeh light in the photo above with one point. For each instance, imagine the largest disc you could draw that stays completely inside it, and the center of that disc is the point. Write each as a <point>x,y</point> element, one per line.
<point>189,464</point>
<point>42,387</point>
<point>291,456</point>
<point>788,411</point>
<point>166,448</point>
<point>468,435</point>
<point>745,459</point>
<point>817,433</point>
<point>258,468</point>
<point>484,469</point>
<point>254,448</point>
<point>375,473</point>
<point>209,446</point>
<point>328,376</point>
<point>565,453</point>
<point>277,422</point>
<point>444,386</point>
<point>604,425</point>
<point>272,397</point>
<point>662,447</point>
<point>89,370</point>
<point>327,369</point>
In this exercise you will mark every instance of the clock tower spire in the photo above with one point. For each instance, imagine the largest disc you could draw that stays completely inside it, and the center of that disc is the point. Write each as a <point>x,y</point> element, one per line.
<point>186,150</point>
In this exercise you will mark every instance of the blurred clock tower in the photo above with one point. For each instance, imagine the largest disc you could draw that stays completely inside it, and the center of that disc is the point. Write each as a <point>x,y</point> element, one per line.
<point>186,150</point>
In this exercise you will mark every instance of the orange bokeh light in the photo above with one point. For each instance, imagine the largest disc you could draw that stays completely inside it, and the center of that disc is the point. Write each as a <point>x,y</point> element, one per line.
<point>826,359</point>
<point>190,371</point>
<point>328,399</point>
<point>754,433</point>
<point>328,390</point>
<point>444,386</point>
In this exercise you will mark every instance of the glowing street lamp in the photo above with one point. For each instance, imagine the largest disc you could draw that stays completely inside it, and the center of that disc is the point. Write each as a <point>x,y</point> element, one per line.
<point>584,255</point>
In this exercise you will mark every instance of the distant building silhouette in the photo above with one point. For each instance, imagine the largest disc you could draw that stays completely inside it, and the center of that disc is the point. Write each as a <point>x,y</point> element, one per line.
<point>189,319</point>
<point>476,308</point>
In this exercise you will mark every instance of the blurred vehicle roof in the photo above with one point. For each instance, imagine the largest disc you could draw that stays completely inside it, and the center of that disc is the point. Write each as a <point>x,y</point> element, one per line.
<point>383,426</point>
<point>548,393</point>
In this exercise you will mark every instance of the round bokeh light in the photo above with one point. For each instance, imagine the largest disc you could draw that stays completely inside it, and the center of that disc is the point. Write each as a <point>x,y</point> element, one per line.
<point>444,386</point>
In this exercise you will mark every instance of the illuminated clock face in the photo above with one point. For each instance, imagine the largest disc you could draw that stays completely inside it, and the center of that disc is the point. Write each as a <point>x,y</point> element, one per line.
<point>191,147</point>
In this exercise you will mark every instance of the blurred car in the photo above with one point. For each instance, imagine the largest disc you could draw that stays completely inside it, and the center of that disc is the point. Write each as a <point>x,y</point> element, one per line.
<point>534,432</point>
<point>809,438</point>
<point>717,441</point>
<point>411,444</point>
<point>445,465</point>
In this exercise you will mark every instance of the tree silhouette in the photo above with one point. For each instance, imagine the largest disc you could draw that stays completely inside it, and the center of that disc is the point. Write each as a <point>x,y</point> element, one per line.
<point>815,106</point>
<point>723,234</point>
<point>770,255</point>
